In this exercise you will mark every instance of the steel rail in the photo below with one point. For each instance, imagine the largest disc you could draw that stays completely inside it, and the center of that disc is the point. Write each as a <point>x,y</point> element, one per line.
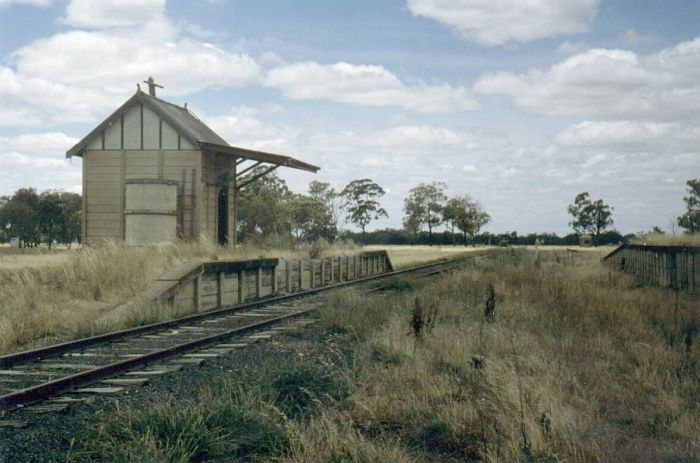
<point>47,389</point>
<point>50,388</point>
<point>9,360</point>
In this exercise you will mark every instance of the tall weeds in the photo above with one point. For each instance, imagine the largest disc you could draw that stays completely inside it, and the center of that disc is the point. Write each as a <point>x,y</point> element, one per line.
<point>46,298</point>
<point>580,365</point>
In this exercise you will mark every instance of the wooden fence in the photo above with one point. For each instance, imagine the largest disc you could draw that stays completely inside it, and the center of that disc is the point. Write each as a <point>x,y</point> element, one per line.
<point>676,267</point>
<point>217,284</point>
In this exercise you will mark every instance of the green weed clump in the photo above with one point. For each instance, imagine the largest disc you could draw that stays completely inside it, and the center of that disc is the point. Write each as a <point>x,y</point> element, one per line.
<point>224,423</point>
<point>299,389</point>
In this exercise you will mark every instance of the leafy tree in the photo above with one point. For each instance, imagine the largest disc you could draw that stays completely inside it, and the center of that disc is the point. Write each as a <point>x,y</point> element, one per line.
<point>71,205</point>
<point>261,206</point>
<point>21,212</point>
<point>467,215</point>
<point>691,219</point>
<point>589,216</point>
<point>50,216</point>
<point>361,202</point>
<point>424,206</point>
<point>310,219</point>
<point>331,200</point>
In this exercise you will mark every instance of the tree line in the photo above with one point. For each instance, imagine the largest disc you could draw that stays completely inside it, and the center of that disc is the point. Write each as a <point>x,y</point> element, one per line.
<point>48,217</point>
<point>594,217</point>
<point>267,207</point>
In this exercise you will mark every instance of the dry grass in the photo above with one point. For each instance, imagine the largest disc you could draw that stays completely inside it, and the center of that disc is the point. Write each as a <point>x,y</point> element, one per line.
<point>669,240</point>
<point>580,365</point>
<point>53,296</point>
<point>406,256</point>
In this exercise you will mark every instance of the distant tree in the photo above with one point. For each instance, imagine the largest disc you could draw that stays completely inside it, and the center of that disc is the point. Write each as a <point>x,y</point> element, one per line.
<point>690,221</point>
<point>21,213</point>
<point>261,206</point>
<point>467,215</point>
<point>451,213</point>
<point>310,219</point>
<point>361,202</point>
<point>331,200</point>
<point>424,205</point>
<point>50,216</point>
<point>589,216</point>
<point>71,204</point>
<point>657,230</point>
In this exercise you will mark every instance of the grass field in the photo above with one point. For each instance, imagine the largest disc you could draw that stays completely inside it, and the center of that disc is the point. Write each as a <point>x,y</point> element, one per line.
<point>52,296</point>
<point>577,364</point>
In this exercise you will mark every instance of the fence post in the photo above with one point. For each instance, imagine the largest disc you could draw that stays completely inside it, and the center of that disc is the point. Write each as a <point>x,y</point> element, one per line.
<point>197,299</point>
<point>288,275</point>
<point>220,289</point>
<point>274,279</point>
<point>301,275</point>
<point>241,286</point>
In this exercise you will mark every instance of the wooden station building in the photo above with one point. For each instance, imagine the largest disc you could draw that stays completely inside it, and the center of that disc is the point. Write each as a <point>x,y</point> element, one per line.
<point>153,173</point>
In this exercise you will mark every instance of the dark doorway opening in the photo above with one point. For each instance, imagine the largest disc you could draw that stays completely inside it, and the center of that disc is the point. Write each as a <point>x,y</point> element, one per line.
<point>223,215</point>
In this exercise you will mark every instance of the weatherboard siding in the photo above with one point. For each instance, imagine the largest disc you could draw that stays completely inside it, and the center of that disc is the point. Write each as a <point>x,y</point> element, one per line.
<point>105,174</point>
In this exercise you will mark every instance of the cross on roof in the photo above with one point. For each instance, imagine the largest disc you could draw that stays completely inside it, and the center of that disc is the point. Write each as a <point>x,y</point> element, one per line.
<point>152,86</point>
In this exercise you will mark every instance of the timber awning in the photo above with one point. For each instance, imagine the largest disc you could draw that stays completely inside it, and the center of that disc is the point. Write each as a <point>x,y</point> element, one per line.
<point>259,156</point>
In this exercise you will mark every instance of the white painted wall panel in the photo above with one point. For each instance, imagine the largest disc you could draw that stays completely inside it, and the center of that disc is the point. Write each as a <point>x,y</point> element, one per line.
<point>113,136</point>
<point>185,145</point>
<point>169,137</point>
<point>151,130</point>
<point>132,128</point>
<point>96,143</point>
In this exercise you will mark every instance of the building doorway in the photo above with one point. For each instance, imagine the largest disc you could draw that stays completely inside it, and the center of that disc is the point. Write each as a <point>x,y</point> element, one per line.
<point>223,216</point>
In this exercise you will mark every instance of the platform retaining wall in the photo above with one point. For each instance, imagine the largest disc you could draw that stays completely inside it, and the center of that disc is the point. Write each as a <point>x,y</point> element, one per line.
<point>675,267</point>
<point>218,284</point>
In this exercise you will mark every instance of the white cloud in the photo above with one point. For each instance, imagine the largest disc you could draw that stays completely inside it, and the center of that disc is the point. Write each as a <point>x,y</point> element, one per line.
<point>631,136</point>
<point>31,101</point>
<point>111,61</point>
<point>80,75</point>
<point>571,48</point>
<point>113,13</point>
<point>631,37</point>
<point>495,22</point>
<point>365,85</point>
<point>4,3</point>
<point>609,84</point>
<point>38,160</point>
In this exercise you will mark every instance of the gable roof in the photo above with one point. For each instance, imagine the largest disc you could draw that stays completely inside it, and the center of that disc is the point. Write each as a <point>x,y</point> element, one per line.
<point>191,128</point>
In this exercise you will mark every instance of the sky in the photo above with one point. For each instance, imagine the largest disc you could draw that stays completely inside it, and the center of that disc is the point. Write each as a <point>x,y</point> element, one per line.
<point>522,105</point>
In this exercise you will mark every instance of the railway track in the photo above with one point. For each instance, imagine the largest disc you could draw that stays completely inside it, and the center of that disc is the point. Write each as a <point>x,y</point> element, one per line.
<point>39,379</point>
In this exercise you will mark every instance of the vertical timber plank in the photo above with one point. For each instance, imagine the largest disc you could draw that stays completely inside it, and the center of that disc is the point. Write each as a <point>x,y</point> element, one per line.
<point>288,275</point>
<point>241,286</point>
<point>220,289</point>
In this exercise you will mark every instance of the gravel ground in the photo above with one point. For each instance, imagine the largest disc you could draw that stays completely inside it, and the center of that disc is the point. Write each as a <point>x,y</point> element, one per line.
<point>50,436</point>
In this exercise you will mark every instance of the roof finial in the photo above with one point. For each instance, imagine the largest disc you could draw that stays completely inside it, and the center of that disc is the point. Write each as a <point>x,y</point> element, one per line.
<point>152,86</point>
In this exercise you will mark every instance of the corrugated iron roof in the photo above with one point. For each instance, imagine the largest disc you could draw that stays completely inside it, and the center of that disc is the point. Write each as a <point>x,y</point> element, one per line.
<point>183,121</point>
<point>190,127</point>
<point>278,159</point>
